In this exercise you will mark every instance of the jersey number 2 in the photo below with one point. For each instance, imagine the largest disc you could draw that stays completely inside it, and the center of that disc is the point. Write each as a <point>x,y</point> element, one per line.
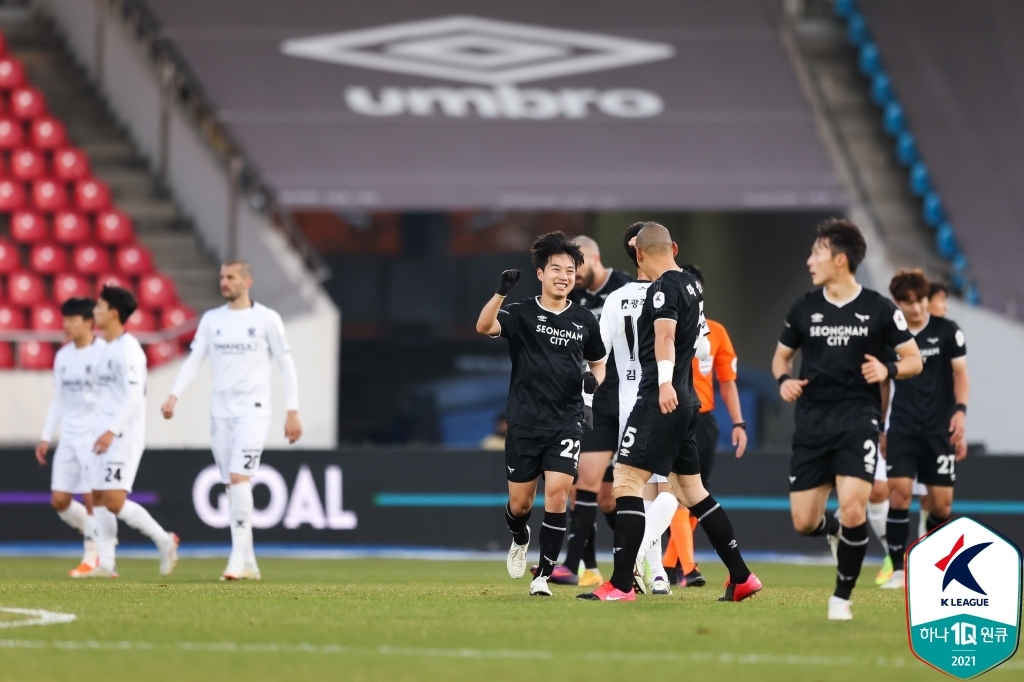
<point>572,449</point>
<point>870,458</point>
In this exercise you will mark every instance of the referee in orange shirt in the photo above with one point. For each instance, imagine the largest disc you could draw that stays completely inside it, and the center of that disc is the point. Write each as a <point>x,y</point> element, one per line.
<point>723,361</point>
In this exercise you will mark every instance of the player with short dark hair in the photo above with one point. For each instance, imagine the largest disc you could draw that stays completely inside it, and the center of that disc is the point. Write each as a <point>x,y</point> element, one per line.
<point>938,293</point>
<point>660,433</point>
<point>549,399</point>
<point>841,329</point>
<point>926,429</point>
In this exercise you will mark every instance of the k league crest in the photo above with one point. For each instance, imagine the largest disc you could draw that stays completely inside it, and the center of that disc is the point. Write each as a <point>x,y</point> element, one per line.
<point>964,598</point>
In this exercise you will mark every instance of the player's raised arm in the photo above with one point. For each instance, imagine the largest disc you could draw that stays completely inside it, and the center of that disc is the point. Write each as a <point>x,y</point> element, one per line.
<point>908,365</point>
<point>487,324</point>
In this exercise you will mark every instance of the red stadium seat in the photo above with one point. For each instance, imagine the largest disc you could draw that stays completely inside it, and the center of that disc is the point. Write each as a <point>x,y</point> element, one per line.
<point>25,289</point>
<point>48,133</point>
<point>12,318</point>
<point>142,320</point>
<point>175,315</point>
<point>28,164</point>
<point>12,195</point>
<point>160,353</point>
<point>10,261</point>
<point>6,355</point>
<point>91,259</point>
<point>70,285</point>
<point>114,227</point>
<point>70,227</point>
<point>11,134</point>
<point>156,291</point>
<point>113,279</point>
<point>46,317</point>
<point>3,44</point>
<point>12,73</point>
<point>35,355</point>
<point>27,102</point>
<point>48,259</point>
<point>49,195</point>
<point>28,227</point>
<point>70,164</point>
<point>91,195</point>
<point>134,259</point>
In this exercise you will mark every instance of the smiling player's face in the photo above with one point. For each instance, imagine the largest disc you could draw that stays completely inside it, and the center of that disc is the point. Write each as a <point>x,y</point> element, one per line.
<point>558,276</point>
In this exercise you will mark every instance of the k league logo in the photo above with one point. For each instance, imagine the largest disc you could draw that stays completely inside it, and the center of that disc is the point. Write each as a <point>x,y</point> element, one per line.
<point>495,56</point>
<point>963,598</point>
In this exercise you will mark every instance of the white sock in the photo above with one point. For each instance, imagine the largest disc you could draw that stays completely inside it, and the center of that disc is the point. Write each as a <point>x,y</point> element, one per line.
<point>89,557</point>
<point>659,518</point>
<point>878,514</point>
<point>240,498</point>
<point>106,536</point>
<point>136,516</point>
<point>74,515</point>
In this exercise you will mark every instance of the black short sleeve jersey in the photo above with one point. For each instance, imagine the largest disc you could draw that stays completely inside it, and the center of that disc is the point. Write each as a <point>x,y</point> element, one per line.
<point>548,350</point>
<point>676,295</point>
<point>833,341</point>
<point>922,405</point>
<point>606,400</point>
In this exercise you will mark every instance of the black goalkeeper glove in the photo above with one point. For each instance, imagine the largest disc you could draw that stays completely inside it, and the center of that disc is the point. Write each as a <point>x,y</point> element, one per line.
<point>589,388</point>
<point>509,280</point>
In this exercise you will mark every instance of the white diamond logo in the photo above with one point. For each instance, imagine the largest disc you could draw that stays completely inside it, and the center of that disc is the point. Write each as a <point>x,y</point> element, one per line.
<point>475,50</point>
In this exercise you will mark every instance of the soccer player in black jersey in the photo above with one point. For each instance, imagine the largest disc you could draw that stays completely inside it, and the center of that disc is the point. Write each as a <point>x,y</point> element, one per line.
<point>926,432</point>
<point>549,338</point>
<point>841,329</point>
<point>660,434</point>
<point>593,284</point>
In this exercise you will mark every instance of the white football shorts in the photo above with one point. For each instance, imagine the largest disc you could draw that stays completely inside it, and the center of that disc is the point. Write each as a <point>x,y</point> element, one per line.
<point>115,469</point>
<point>237,444</point>
<point>71,463</point>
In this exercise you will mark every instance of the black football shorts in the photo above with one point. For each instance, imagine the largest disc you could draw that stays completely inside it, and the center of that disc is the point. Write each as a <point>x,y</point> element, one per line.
<point>530,452</point>
<point>707,443</point>
<point>930,458</point>
<point>819,458</point>
<point>661,443</point>
<point>604,437</point>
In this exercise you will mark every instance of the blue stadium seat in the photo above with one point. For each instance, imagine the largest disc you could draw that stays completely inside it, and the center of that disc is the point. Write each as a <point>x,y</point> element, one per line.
<point>881,89</point>
<point>870,60</point>
<point>857,30</point>
<point>920,179</point>
<point>945,241</point>
<point>894,120</point>
<point>933,212</point>
<point>971,294</point>
<point>960,264</point>
<point>845,8</point>
<point>906,149</point>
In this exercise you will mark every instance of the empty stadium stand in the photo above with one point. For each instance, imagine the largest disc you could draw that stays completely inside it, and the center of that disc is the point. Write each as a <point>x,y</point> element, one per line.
<point>79,209</point>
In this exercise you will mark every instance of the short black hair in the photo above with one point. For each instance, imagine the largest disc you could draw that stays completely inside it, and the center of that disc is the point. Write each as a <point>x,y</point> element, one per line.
<point>937,288</point>
<point>631,232</point>
<point>696,271</point>
<point>121,300</point>
<point>552,244</point>
<point>78,306</point>
<point>843,237</point>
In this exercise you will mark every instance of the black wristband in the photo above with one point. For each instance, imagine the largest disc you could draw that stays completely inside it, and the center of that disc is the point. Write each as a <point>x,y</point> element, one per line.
<point>893,369</point>
<point>960,407</point>
<point>784,377</point>
<point>740,425</point>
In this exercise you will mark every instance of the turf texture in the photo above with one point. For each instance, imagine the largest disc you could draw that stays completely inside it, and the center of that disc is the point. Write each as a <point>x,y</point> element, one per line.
<point>397,620</point>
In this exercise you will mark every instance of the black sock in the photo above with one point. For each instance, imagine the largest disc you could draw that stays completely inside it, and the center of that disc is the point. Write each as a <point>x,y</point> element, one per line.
<point>897,530</point>
<point>853,545</point>
<point>610,518</point>
<point>583,515</point>
<point>590,548</point>
<point>630,523</point>
<point>517,524</point>
<point>829,526</point>
<point>934,521</point>
<point>715,522</point>
<point>552,532</point>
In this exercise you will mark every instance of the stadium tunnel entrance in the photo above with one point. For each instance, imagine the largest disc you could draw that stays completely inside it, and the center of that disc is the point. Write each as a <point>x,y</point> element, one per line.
<point>411,284</point>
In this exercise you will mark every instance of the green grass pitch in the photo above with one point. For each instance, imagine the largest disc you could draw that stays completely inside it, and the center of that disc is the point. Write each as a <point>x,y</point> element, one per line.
<point>430,620</point>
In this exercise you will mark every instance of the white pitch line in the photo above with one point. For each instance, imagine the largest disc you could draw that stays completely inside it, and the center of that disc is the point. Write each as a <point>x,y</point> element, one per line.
<point>338,649</point>
<point>37,617</point>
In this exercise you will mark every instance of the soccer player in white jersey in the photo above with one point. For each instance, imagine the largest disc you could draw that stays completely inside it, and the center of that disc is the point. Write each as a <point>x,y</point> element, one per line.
<point>240,338</point>
<point>121,435</point>
<point>74,408</point>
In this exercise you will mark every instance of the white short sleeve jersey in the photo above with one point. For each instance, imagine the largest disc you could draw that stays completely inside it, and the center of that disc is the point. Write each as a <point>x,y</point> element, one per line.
<point>622,309</point>
<point>122,388</point>
<point>75,390</point>
<point>241,344</point>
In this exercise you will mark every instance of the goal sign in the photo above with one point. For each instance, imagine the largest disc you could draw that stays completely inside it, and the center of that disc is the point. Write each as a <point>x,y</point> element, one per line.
<point>964,598</point>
